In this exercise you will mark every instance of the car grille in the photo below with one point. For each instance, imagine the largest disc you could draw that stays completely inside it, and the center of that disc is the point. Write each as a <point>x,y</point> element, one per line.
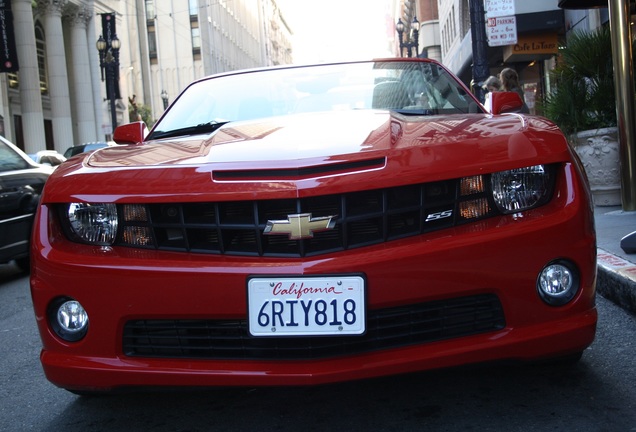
<point>386,328</point>
<point>361,219</point>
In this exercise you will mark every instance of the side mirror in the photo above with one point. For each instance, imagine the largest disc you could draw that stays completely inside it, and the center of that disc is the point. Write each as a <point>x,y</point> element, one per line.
<point>503,102</point>
<point>131,133</point>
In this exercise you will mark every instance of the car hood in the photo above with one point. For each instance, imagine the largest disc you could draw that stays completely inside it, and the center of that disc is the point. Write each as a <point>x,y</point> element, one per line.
<point>295,151</point>
<point>323,137</point>
<point>276,139</point>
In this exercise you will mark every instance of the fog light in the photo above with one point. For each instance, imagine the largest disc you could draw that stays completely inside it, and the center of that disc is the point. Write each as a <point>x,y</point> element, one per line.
<point>558,283</point>
<point>68,319</point>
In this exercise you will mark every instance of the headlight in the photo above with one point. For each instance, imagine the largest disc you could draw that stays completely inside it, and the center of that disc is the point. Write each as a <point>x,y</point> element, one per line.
<point>93,223</point>
<point>522,188</point>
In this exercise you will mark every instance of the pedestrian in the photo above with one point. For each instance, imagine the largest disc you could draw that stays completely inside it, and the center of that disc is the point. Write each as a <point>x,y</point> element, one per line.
<point>510,83</point>
<point>492,84</point>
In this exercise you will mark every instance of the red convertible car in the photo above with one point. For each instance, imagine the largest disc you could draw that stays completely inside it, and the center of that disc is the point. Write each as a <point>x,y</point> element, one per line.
<point>312,224</point>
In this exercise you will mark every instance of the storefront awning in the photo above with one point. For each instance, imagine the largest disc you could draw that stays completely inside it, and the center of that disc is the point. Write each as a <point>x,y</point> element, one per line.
<point>582,4</point>
<point>588,4</point>
<point>531,47</point>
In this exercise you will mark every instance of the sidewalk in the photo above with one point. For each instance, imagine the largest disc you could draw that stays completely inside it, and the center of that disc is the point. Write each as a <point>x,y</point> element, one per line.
<point>616,268</point>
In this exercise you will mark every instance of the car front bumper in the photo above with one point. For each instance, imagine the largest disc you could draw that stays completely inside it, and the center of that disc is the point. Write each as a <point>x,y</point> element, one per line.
<point>501,256</point>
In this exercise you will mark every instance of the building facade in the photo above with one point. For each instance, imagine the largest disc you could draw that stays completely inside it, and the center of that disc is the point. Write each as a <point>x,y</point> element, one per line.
<point>57,98</point>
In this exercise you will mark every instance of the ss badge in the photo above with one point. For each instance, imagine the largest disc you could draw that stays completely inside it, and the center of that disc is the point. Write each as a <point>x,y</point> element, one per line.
<point>439,215</point>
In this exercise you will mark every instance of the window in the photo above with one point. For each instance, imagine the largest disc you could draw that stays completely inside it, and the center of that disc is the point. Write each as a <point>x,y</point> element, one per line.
<point>152,43</point>
<point>196,39</point>
<point>150,24</point>
<point>465,17</point>
<point>150,10</point>
<point>14,80</point>
<point>40,45</point>
<point>453,24</point>
<point>195,31</point>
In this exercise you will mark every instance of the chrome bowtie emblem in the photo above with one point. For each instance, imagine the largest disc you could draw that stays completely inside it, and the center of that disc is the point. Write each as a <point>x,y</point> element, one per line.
<point>299,226</point>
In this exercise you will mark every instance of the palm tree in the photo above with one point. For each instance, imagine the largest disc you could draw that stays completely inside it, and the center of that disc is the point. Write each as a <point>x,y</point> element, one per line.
<point>584,96</point>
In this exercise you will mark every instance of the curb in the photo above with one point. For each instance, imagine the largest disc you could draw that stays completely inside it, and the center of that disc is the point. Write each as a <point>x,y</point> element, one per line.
<point>616,280</point>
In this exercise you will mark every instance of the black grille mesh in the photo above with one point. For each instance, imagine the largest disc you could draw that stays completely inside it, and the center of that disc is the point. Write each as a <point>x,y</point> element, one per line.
<point>386,328</point>
<point>362,218</point>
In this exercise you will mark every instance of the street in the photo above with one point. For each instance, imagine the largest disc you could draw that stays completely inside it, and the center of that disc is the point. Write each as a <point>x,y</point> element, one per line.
<point>597,394</point>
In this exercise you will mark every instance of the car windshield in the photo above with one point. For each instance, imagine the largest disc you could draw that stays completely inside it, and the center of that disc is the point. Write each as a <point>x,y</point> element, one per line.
<point>408,87</point>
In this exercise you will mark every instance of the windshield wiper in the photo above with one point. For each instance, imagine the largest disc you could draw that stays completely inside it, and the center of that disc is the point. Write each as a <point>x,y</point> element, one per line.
<point>415,111</point>
<point>208,127</point>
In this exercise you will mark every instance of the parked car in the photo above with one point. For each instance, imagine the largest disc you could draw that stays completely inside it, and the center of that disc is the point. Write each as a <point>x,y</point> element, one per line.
<point>48,157</point>
<point>306,225</point>
<point>86,147</point>
<point>21,183</point>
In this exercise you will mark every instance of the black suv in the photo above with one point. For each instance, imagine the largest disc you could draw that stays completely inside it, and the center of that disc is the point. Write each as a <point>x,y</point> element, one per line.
<point>21,182</point>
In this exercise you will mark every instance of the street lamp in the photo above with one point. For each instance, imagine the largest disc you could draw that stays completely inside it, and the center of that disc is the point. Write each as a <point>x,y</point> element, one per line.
<point>109,61</point>
<point>164,98</point>
<point>413,37</point>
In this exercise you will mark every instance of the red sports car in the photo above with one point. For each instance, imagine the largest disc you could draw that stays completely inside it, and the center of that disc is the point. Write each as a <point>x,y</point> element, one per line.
<point>305,225</point>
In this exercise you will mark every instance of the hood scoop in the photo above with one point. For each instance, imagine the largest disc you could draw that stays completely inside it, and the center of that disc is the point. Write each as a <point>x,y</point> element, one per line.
<point>299,173</point>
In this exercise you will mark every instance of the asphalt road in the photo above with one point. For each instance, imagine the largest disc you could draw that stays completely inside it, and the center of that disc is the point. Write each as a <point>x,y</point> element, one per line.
<point>597,394</point>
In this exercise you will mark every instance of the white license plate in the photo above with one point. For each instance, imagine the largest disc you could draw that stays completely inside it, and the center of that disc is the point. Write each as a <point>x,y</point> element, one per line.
<point>306,306</point>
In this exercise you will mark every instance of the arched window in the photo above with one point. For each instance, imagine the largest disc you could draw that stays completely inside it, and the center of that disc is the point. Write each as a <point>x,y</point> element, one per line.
<point>40,44</point>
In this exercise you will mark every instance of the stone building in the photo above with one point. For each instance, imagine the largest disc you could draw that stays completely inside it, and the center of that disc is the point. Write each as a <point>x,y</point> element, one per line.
<point>57,98</point>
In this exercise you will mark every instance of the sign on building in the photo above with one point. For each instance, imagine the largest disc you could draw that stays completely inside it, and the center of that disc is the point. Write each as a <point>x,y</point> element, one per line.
<point>533,46</point>
<point>501,22</point>
<point>501,31</point>
<point>499,8</point>
<point>8,52</point>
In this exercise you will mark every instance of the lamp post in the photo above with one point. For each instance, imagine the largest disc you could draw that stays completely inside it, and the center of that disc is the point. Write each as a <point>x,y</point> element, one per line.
<point>109,61</point>
<point>164,98</point>
<point>412,38</point>
<point>481,69</point>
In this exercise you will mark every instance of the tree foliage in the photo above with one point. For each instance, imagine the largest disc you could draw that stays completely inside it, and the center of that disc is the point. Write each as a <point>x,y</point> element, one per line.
<point>583,97</point>
<point>138,111</point>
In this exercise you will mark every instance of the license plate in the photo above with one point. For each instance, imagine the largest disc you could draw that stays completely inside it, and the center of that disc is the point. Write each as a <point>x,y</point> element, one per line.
<point>306,306</point>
